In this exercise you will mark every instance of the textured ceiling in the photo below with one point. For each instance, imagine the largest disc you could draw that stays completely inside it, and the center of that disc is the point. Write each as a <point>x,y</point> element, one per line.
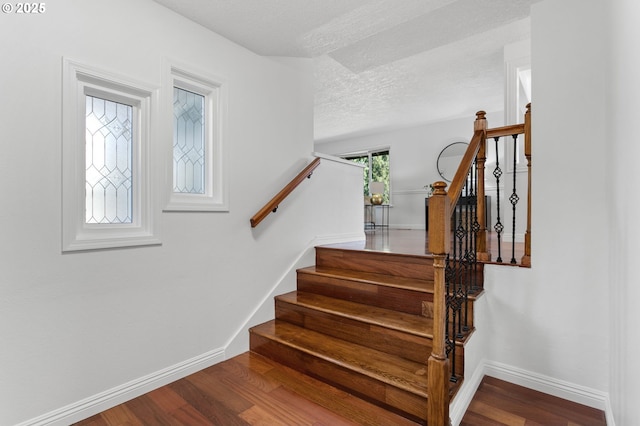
<point>379,64</point>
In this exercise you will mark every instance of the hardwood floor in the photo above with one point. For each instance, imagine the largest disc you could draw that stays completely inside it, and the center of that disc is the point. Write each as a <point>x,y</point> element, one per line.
<point>247,390</point>
<point>501,403</point>
<point>252,390</point>
<point>408,241</point>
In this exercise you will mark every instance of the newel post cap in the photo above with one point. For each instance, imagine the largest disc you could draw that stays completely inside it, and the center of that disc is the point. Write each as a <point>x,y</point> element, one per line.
<point>439,188</point>
<point>439,220</point>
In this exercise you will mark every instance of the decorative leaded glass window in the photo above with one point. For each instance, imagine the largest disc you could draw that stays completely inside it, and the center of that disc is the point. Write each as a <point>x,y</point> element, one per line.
<point>109,158</point>
<point>108,198</point>
<point>196,166</point>
<point>188,142</point>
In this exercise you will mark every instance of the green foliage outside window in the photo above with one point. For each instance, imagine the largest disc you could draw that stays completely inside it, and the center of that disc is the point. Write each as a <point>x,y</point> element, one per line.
<point>376,169</point>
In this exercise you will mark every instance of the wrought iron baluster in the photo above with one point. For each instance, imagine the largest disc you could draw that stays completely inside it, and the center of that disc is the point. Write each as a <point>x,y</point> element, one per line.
<point>473,286</point>
<point>463,252</point>
<point>451,279</point>
<point>474,229</point>
<point>460,291</point>
<point>450,315</point>
<point>461,266</point>
<point>497,173</point>
<point>514,200</point>
<point>471,221</point>
<point>457,277</point>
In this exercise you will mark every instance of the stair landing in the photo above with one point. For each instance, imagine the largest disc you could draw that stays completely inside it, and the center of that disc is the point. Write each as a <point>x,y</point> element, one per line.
<point>400,241</point>
<point>416,241</point>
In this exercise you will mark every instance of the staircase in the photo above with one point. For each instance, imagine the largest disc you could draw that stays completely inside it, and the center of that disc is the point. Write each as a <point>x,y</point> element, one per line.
<point>362,321</point>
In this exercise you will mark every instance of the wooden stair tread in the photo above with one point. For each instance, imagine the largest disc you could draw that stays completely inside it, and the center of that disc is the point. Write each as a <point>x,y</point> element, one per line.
<point>414,284</point>
<point>393,370</point>
<point>362,321</point>
<point>387,318</point>
<point>425,286</point>
<point>359,246</point>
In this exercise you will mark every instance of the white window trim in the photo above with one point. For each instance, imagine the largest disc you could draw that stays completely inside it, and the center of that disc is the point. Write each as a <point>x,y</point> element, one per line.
<point>78,81</point>
<point>214,89</point>
<point>513,66</point>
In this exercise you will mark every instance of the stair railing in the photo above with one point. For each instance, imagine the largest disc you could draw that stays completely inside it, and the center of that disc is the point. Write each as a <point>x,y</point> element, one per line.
<point>511,134</point>
<point>272,205</point>
<point>458,242</point>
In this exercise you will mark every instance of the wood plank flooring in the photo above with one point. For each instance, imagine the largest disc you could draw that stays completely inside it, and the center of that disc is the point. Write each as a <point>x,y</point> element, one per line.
<point>252,390</point>
<point>497,402</point>
<point>247,390</point>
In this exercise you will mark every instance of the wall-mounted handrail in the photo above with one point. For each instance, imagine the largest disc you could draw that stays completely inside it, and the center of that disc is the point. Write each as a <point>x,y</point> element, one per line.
<point>273,204</point>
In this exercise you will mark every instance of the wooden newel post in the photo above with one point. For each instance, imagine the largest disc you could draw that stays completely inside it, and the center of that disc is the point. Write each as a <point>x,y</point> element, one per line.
<point>526,259</point>
<point>438,363</point>
<point>481,124</point>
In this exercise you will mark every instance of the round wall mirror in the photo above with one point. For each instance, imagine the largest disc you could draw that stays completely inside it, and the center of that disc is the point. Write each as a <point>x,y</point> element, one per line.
<point>450,158</point>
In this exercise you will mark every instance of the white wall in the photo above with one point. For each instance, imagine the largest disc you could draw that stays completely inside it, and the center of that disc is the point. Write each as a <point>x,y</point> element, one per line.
<point>331,200</point>
<point>623,204</point>
<point>78,325</point>
<point>414,152</point>
<point>552,321</point>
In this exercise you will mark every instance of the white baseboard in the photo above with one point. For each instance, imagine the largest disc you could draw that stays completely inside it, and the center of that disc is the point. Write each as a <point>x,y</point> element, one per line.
<point>465,394</point>
<point>97,403</point>
<point>264,309</point>
<point>549,385</point>
<point>560,388</point>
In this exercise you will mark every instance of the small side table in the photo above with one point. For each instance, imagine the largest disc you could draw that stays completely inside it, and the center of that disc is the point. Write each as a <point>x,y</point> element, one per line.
<point>370,212</point>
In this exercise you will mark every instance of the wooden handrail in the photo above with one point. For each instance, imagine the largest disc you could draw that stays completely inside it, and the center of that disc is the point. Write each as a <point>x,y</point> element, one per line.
<point>272,205</point>
<point>498,132</point>
<point>461,174</point>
